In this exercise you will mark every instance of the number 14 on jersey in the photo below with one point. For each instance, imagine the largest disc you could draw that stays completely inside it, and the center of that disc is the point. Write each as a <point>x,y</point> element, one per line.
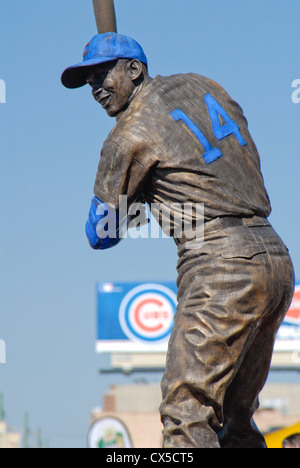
<point>220,131</point>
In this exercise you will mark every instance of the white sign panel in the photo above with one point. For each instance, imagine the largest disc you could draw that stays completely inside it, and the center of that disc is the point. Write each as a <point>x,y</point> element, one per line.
<point>109,432</point>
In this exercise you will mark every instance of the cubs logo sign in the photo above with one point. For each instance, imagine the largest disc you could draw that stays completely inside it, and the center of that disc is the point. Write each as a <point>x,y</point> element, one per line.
<point>289,333</point>
<point>146,313</point>
<point>138,318</point>
<point>293,315</point>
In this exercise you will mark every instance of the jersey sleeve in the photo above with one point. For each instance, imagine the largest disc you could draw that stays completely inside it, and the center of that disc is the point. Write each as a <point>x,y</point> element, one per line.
<point>122,172</point>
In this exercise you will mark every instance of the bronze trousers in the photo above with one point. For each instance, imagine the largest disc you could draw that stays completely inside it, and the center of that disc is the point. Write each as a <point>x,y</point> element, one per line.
<point>233,294</point>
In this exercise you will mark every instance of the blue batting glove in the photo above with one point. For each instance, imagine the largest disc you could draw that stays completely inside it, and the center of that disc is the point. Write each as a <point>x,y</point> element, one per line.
<point>97,226</point>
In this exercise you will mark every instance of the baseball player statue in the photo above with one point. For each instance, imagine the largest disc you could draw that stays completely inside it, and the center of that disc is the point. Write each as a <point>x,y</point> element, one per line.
<point>183,139</point>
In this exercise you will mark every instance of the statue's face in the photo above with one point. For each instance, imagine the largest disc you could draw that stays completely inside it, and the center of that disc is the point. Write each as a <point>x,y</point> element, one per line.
<point>112,86</point>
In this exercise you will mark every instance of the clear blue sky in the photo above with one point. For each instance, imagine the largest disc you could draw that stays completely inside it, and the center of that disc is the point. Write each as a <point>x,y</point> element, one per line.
<point>50,143</point>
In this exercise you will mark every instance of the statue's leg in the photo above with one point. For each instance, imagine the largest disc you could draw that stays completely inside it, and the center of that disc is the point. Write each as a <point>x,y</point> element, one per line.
<point>209,339</point>
<point>242,396</point>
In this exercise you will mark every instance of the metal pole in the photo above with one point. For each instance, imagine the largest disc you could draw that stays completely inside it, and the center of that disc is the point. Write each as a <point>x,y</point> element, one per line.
<point>2,413</point>
<point>26,431</point>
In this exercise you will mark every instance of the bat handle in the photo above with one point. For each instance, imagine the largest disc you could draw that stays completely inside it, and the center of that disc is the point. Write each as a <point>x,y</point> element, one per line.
<point>105,16</point>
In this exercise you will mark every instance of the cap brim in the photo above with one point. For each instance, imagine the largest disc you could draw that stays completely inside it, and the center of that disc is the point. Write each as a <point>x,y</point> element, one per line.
<point>75,76</point>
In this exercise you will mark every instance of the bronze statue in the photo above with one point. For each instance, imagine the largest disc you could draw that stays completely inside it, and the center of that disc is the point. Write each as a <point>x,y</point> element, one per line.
<point>182,139</point>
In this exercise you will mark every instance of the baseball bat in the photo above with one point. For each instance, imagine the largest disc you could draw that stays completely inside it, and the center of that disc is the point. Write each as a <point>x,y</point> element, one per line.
<point>105,16</point>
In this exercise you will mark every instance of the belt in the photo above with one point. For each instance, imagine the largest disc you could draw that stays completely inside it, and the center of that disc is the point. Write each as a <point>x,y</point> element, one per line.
<point>231,221</point>
<point>224,222</point>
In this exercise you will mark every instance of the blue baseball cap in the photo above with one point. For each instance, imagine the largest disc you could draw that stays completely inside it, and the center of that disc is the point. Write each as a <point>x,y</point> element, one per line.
<point>102,48</point>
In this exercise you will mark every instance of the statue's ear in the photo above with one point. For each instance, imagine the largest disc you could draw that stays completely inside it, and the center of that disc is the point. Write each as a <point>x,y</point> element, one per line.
<point>134,69</point>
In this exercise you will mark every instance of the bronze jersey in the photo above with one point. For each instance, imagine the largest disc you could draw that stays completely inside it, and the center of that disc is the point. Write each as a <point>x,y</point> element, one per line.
<point>183,139</point>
